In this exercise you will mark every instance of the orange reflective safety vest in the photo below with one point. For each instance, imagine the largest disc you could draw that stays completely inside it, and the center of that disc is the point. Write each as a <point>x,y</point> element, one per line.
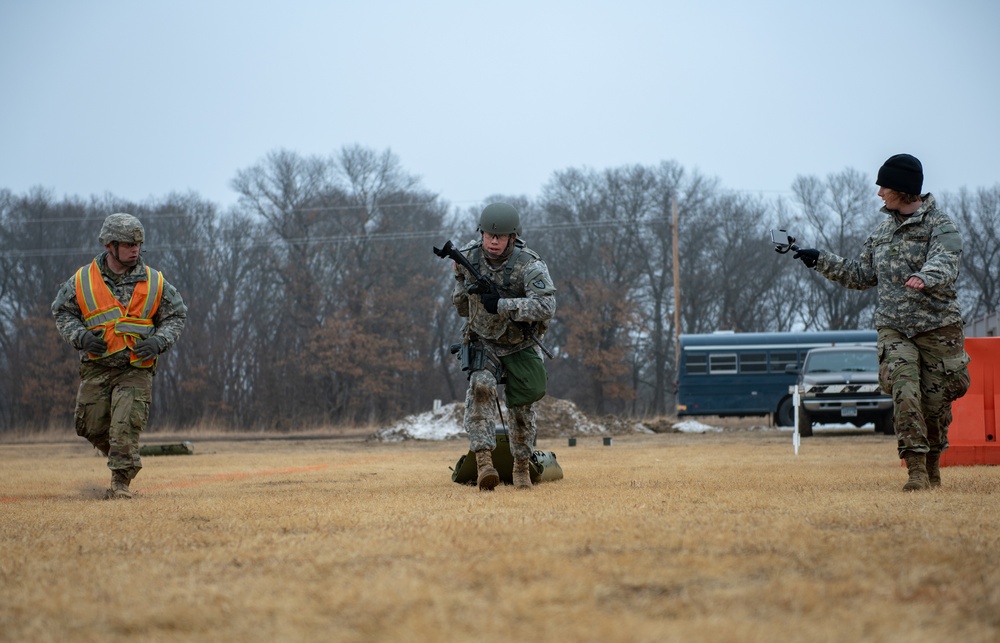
<point>123,327</point>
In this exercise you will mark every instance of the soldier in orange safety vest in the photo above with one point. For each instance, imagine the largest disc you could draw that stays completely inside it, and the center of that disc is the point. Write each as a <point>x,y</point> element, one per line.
<point>121,314</point>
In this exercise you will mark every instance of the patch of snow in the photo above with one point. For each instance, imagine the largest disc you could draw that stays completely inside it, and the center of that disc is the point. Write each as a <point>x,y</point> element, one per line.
<point>580,422</point>
<point>832,427</point>
<point>691,426</point>
<point>438,424</point>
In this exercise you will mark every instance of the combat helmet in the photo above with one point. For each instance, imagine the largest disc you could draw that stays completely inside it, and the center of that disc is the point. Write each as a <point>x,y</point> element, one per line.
<point>122,228</point>
<point>500,218</point>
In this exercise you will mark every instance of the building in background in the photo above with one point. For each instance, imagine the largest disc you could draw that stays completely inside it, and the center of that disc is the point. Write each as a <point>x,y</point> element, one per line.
<point>986,326</point>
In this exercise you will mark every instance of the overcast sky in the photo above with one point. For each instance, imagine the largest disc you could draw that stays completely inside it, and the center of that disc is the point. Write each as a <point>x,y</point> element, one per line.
<point>140,99</point>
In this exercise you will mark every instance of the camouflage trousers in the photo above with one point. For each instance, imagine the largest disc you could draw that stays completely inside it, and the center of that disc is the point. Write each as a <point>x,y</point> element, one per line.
<point>482,417</point>
<point>112,407</point>
<point>924,374</point>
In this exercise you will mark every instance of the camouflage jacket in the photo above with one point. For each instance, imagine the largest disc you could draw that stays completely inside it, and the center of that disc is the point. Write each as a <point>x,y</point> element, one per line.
<point>925,244</point>
<point>527,299</point>
<point>169,318</point>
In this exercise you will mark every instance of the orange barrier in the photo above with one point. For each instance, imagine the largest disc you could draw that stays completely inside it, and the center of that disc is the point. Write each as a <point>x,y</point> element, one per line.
<point>972,437</point>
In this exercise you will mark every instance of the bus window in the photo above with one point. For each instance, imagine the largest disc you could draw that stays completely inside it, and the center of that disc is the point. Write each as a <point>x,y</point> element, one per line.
<point>779,360</point>
<point>722,364</point>
<point>696,364</point>
<point>753,363</point>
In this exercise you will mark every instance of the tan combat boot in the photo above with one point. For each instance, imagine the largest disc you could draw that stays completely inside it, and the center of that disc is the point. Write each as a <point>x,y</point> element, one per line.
<point>934,469</point>
<point>488,477</point>
<point>916,464</point>
<point>522,476</point>
<point>119,487</point>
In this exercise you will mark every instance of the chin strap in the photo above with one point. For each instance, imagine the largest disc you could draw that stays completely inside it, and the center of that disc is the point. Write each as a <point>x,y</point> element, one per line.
<point>127,264</point>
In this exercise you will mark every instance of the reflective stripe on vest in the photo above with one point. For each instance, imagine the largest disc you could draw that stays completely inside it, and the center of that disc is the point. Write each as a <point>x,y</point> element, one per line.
<point>122,326</point>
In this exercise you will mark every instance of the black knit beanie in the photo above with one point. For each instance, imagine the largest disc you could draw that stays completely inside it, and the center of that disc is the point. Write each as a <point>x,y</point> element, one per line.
<point>902,173</point>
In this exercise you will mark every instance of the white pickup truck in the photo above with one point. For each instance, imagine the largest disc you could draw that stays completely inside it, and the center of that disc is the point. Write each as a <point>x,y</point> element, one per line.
<point>839,385</point>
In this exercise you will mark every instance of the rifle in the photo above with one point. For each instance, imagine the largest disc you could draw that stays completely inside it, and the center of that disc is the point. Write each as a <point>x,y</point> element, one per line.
<point>483,286</point>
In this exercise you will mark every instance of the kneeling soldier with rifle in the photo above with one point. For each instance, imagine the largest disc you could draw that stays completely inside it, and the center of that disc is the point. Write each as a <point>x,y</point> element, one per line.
<point>505,291</point>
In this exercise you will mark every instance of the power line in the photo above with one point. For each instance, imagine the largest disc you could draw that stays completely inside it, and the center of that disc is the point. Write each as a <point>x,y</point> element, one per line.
<point>173,215</point>
<point>335,239</point>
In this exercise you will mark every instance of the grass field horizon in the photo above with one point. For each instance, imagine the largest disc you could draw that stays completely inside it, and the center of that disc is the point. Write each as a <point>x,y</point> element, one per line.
<point>724,536</point>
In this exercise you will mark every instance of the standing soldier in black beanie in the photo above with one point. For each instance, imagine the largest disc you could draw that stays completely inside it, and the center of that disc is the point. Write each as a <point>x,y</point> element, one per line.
<point>912,257</point>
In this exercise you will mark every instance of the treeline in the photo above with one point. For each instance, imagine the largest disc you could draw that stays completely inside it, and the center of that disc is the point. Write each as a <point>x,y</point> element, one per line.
<point>316,299</point>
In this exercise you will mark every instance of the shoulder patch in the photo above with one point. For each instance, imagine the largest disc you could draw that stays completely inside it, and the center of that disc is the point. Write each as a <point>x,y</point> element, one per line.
<point>947,234</point>
<point>950,241</point>
<point>537,280</point>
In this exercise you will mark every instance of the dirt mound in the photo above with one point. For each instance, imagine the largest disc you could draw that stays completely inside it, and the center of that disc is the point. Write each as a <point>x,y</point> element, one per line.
<point>554,418</point>
<point>561,418</point>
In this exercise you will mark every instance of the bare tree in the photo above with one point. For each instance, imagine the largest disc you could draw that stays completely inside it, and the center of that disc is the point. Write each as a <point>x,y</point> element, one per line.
<point>787,296</point>
<point>978,218</point>
<point>837,215</point>
<point>598,216</point>
<point>44,242</point>
<point>317,298</point>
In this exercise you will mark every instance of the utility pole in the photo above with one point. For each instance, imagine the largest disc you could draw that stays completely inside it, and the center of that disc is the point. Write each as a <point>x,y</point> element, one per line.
<point>677,290</point>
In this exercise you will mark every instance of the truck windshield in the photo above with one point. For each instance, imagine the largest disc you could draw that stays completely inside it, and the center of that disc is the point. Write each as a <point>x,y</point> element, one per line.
<point>840,361</point>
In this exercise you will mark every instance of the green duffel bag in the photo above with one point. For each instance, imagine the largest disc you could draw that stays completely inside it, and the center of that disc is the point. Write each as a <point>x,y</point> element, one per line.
<point>526,378</point>
<point>542,467</point>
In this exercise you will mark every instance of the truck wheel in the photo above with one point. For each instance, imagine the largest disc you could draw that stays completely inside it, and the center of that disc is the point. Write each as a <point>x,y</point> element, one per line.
<point>805,424</point>
<point>785,415</point>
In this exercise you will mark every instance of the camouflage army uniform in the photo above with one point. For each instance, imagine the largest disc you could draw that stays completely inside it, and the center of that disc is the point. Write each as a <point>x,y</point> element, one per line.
<point>526,296</point>
<point>921,341</point>
<point>112,403</point>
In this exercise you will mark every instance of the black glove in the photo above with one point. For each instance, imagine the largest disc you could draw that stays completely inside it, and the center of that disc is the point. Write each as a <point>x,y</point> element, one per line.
<point>481,287</point>
<point>490,301</point>
<point>147,348</point>
<point>808,256</point>
<point>93,342</point>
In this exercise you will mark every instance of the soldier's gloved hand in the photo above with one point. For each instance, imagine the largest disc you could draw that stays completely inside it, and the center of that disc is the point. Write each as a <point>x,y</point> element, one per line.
<point>808,256</point>
<point>147,348</point>
<point>93,342</point>
<point>490,301</point>
<point>481,287</point>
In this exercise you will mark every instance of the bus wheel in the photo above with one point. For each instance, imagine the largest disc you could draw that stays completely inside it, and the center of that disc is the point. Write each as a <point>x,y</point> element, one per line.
<point>786,413</point>
<point>805,424</point>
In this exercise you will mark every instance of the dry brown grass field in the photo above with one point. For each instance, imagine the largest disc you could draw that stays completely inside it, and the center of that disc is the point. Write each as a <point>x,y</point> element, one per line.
<point>663,537</point>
